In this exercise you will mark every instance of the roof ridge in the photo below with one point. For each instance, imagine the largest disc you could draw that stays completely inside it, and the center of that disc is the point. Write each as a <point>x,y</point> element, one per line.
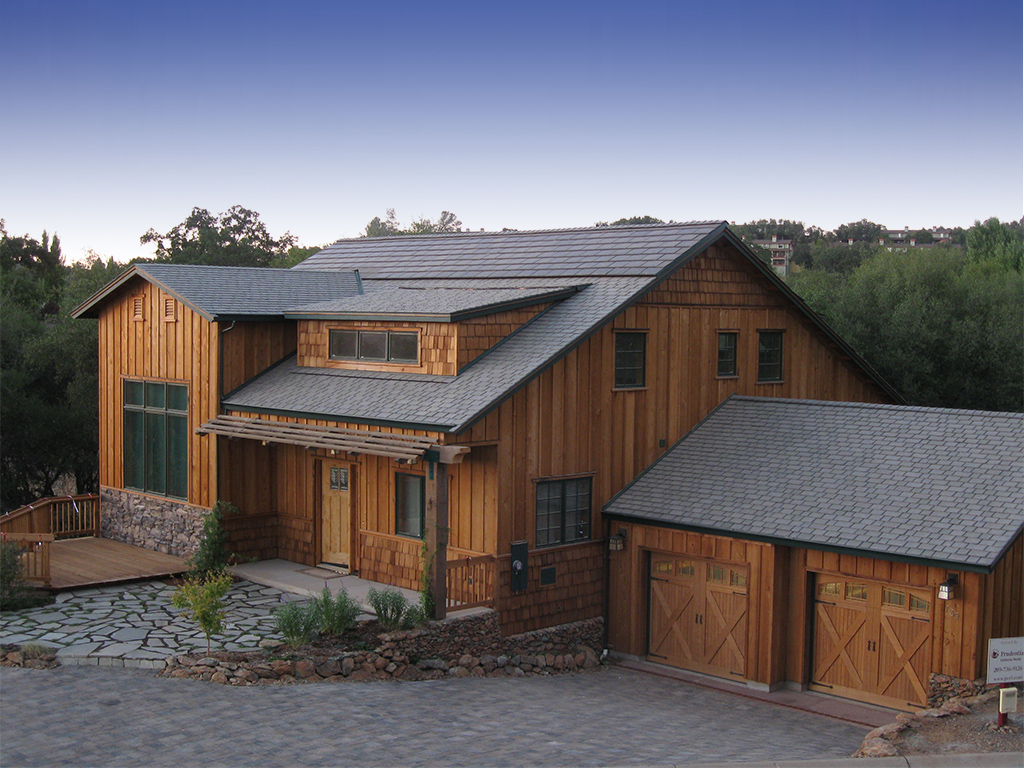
<point>489,233</point>
<point>878,406</point>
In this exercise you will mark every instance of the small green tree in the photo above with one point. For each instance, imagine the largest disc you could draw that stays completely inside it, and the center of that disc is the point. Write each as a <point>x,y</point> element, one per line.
<point>203,597</point>
<point>212,555</point>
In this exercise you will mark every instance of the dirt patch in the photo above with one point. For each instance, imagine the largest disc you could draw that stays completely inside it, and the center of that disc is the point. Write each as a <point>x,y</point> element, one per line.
<point>963,733</point>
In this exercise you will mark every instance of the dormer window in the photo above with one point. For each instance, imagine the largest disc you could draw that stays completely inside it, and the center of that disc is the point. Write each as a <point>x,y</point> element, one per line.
<point>375,346</point>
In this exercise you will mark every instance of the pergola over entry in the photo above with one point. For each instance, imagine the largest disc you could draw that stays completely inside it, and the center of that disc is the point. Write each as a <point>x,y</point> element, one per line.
<point>402,448</point>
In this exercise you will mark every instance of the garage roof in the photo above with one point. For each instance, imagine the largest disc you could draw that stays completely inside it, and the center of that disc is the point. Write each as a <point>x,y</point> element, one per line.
<point>926,484</point>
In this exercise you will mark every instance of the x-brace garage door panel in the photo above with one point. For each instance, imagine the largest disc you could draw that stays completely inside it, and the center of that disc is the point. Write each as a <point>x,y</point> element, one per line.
<point>872,641</point>
<point>698,614</point>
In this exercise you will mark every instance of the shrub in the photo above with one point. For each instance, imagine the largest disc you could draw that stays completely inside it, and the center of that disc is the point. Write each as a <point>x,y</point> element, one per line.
<point>35,650</point>
<point>394,610</point>
<point>212,554</point>
<point>203,597</point>
<point>297,622</point>
<point>337,614</point>
<point>15,591</point>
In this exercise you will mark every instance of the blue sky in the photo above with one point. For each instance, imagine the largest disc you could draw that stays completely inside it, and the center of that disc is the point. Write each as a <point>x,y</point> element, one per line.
<point>121,116</point>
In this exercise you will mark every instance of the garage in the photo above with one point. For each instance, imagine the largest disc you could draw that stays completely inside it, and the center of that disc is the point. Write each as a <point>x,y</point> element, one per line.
<point>698,614</point>
<point>871,640</point>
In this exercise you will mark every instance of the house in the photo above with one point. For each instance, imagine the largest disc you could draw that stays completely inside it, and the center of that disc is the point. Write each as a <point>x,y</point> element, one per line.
<point>464,402</point>
<point>809,542</point>
<point>781,251</point>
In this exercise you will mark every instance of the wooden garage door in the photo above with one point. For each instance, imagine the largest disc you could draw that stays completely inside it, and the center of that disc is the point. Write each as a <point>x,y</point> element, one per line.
<point>698,614</point>
<point>872,641</point>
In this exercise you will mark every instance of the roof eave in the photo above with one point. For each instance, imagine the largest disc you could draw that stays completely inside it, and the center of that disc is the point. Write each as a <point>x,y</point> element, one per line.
<point>84,310</point>
<point>348,419</point>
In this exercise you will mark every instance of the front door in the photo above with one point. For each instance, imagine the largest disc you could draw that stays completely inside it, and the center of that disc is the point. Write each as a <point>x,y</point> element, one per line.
<point>872,641</point>
<point>336,513</point>
<point>698,614</point>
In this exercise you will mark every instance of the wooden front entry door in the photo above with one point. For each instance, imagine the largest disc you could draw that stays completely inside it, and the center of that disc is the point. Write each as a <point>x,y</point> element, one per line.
<point>872,641</point>
<point>698,615</point>
<point>336,518</point>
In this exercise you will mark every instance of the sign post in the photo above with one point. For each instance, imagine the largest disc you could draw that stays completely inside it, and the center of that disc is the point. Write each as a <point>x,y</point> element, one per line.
<point>1005,665</point>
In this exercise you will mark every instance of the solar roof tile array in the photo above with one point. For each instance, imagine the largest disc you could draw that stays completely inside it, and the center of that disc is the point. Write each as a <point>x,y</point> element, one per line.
<point>928,483</point>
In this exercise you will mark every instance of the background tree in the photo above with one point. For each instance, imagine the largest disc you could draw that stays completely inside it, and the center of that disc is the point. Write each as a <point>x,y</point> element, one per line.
<point>630,220</point>
<point>1003,243</point>
<point>839,256</point>
<point>860,231</point>
<point>236,238</point>
<point>923,237</point>
<point>389,226</point>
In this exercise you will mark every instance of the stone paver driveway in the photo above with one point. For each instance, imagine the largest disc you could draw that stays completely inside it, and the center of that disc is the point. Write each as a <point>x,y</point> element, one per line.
<point>136,625</point>
<point>130,717</point>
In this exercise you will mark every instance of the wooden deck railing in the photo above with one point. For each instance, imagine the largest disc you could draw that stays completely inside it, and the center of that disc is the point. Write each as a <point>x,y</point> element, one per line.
<point>64,516</point>
<point>470,582</point>
<point>35,553</point>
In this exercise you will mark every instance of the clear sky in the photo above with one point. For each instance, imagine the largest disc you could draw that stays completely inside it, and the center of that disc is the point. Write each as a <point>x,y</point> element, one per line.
<point>122,116</point>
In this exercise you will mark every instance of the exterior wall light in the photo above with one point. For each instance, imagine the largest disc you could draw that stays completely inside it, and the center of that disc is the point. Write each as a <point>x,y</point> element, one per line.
<point>617,542</point>
<point>946,587</point>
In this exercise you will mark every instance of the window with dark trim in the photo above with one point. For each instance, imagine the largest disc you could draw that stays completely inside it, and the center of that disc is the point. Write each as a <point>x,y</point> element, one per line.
<point>563,511</point>
<point>727,353</point>
<point>630,359</point>
<point>156,437</point>
<point>376,346</point>
<point>769,356</point>
<point>410,504</point>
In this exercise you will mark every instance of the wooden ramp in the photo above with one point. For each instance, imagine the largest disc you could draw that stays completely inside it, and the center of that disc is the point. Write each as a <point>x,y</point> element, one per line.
<point>93,561</point>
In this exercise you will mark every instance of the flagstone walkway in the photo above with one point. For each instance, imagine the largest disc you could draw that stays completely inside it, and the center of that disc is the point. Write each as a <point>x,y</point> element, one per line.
<point>135,625</point>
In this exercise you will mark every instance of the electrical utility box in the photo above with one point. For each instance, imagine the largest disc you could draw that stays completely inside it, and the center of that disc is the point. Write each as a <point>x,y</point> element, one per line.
<point>520,566</point>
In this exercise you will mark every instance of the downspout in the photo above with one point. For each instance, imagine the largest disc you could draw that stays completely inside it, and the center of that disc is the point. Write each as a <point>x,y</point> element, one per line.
<point>607,585</point>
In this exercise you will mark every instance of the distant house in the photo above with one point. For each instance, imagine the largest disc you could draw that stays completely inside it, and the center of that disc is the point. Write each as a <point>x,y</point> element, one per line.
<point>781,253</point>
<point>485,394</point>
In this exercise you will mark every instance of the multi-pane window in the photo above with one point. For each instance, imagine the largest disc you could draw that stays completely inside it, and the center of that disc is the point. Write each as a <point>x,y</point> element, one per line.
<point>410,495</point>
<point>727,353</point>
<point>156,437</point>
<point>563,511</point>
<point>378,346</point>
<point>769,356</point>
<point>630,359</point>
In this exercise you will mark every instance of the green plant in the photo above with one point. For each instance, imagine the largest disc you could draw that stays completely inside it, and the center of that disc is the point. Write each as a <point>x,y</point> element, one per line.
<point>212,553</point>
<point>297,622</point>
<point>35,650</point>
<point>337,614</point>
<point>426,587</point>
<point>394,610</point>
<point>202,596</point>
<point>15,592</point>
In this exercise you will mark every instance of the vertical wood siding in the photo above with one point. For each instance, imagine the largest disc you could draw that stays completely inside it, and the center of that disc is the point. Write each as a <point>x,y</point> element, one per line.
<point>249,348</point>
<point>479,334</point>
<point>183,351</point>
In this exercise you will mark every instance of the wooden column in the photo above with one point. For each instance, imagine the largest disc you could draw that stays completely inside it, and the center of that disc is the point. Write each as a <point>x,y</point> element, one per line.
<point>437,534</point>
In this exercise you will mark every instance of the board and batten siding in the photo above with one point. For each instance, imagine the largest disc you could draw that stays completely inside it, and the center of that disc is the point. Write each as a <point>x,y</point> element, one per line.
<point>248,348</point>
<point>570,419</point>
<point>181,349</point>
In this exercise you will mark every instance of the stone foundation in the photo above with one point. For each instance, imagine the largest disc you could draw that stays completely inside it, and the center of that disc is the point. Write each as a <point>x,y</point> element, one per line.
<point>163,525</point>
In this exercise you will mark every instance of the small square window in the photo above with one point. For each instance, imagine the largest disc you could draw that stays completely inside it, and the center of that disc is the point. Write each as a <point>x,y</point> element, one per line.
<point>630,360</point>
<point>563,511</point>
<point>403,347</point>
<point>727,353</point>
<point>373,345</point>
<point>344,345</point>
<point>769,356</point>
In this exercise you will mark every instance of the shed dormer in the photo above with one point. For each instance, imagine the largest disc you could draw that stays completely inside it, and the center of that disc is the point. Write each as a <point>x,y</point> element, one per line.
<point>412,329</point>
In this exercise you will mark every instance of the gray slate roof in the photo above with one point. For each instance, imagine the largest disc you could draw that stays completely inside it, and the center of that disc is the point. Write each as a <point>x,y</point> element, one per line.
<point>220,293</point>
<point>932,484</point>
<point>448,303</point>
<point>640,250</point>
<point>440,402</point>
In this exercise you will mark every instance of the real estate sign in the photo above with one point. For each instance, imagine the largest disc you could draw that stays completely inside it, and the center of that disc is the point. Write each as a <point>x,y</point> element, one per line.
<point>1005,660</point>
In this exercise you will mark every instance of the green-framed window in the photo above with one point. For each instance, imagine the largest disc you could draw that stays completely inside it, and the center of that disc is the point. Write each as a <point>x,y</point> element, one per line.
<point>375,346</point>
<point>727,358</point>
<point>769,356</point>
<point>410,504</point>
<point>630,359</point>
<point>563,511</point>
<point>156,437</point>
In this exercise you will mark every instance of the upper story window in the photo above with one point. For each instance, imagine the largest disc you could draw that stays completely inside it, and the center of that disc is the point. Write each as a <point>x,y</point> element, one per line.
<point>769,356</point>
<point>375,346</point>
<point>727,361</point>
<point>563,511</point>
<point>630,359</point>
<point>156,437</point>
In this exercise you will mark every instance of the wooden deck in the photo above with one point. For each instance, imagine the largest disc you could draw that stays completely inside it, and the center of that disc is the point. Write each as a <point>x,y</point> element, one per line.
<point>93,561</point>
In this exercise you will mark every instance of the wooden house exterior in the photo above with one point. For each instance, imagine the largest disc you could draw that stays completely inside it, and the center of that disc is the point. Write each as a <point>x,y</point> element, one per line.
<point>480,394</point>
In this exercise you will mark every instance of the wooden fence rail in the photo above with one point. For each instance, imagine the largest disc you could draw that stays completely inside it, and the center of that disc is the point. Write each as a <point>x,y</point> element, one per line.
<point>470,582</point>
<point>64,516</point>
<point>35,553</point>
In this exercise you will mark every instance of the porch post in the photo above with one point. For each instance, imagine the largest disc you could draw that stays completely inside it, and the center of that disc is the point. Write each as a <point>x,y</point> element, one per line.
<point>437,534</point>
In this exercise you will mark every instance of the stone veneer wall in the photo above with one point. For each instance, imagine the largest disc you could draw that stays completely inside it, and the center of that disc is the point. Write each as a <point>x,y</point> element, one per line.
<point>163,525</point>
